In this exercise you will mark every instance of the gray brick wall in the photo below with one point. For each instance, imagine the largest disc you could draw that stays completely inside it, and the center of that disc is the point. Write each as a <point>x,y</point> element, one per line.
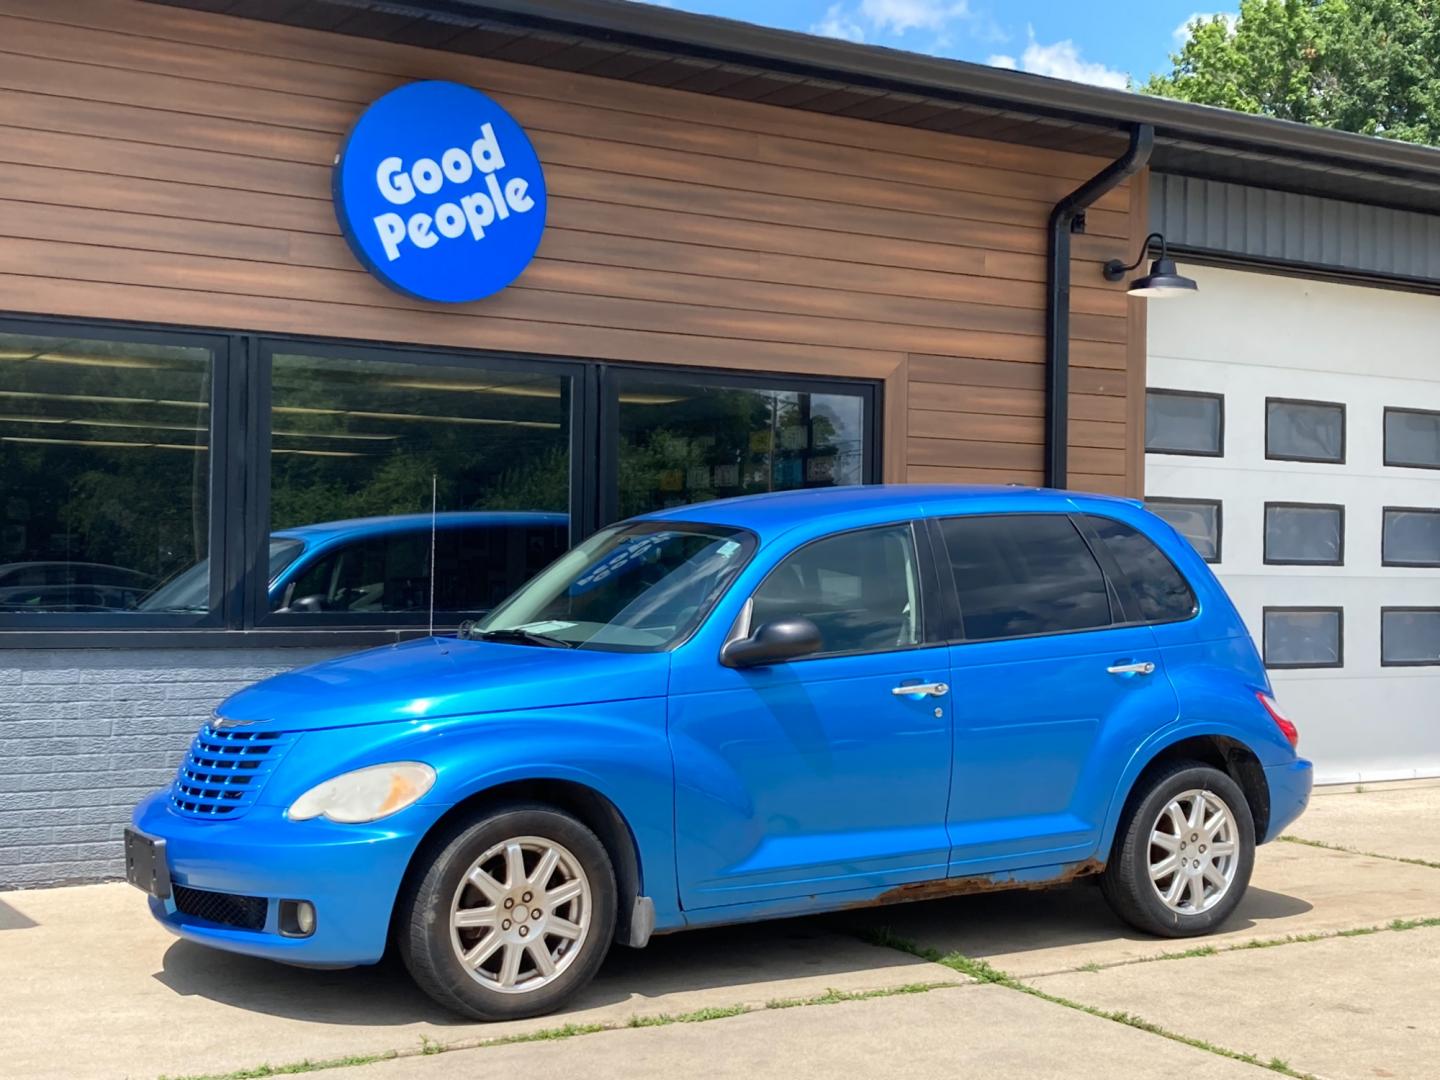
<point>84,733</point>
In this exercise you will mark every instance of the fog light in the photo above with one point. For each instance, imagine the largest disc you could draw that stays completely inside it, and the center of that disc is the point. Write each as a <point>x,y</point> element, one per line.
<point>297,918</point>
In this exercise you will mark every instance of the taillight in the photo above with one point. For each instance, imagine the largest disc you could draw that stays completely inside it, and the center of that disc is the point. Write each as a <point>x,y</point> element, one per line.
<point>1288,729</point>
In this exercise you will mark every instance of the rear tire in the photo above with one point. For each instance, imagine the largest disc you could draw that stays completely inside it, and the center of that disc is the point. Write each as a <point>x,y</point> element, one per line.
<point>508,916</point>
<point>1183,856</point>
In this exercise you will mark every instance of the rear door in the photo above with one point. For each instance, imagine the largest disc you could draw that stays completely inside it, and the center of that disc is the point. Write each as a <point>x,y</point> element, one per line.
<point>1051,680</point>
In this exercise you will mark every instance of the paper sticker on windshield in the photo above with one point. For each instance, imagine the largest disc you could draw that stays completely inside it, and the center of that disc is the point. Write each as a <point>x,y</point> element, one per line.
<point>546,626</point>
<point>728,548</point>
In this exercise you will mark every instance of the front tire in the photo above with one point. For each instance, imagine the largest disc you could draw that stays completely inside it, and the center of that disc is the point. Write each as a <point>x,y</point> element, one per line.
<point>508,916</point>
<point>1183,857</point>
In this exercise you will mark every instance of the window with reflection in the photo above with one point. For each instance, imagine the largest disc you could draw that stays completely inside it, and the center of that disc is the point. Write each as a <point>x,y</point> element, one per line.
<point>105,459</point>
<point>1412,438</point>
<point>356,442</point>
<point>1304,431</point>
<point>1304,534</point>
<point>1301,637</point>
<point>1410,536</point>
<point>1184,422</point>
<point>686,439</point>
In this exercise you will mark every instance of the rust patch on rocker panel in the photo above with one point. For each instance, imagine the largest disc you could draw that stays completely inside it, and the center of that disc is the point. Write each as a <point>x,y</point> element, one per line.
<point>972,886</point>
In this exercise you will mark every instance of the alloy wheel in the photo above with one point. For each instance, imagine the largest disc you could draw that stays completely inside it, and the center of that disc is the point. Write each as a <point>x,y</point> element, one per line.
<point>1194,852</point>
<point>521,914</point>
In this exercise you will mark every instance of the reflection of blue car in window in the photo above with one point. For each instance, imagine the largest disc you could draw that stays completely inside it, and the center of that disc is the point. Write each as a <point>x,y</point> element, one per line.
<point>382,564</point>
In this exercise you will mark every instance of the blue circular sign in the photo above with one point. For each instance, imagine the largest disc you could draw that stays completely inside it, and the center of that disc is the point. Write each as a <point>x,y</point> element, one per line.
<point>439,193</point>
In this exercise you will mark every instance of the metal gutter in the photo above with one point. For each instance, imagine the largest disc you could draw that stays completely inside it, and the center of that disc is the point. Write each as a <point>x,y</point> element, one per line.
<point>1063,219</point>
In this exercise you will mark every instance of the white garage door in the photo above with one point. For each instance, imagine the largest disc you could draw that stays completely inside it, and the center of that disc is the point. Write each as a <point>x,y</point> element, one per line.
<point>1293,431</point>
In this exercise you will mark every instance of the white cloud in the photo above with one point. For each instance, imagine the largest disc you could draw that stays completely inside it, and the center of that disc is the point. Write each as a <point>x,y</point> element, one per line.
<point>1000,60</point>
<point>1062,60</point>
<point>1181,33</point>
<point>897,16</point>
<point>838,23</point>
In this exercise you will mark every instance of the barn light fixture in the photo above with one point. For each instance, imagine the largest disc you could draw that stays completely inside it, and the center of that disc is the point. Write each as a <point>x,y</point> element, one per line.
<point>1164,279</point>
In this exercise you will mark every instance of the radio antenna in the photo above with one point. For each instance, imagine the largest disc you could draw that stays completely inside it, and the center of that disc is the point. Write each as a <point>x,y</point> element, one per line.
<point>434,488</point>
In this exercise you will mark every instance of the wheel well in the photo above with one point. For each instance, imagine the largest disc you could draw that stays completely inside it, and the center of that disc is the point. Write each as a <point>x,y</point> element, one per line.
<point>1228,755</point>
<point>592,809</point>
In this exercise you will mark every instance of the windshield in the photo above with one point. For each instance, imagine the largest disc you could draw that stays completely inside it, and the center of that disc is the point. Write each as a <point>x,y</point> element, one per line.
<point>641,586</point>
<point>189,590</point>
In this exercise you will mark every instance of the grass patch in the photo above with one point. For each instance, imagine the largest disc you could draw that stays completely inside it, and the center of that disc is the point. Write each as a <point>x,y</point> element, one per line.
<point>1287,838</point>
<point>259,1072</point>
<point>430,1046</point>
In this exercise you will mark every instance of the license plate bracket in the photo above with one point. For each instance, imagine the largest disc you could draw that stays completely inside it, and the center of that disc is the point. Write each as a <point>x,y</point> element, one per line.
<point>146,866</point>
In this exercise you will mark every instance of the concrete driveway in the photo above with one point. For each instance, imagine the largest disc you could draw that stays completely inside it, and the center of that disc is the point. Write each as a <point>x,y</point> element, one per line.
<point>1306,979</point>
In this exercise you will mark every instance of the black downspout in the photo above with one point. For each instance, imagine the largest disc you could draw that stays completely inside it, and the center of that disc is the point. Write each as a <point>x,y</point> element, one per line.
<point>1057,298</point>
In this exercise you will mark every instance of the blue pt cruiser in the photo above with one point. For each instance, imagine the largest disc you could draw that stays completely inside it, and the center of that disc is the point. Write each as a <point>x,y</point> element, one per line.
<point>744,709</point>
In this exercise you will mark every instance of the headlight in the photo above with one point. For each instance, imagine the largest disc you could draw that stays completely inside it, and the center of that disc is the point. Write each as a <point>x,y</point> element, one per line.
<point>365,794</point>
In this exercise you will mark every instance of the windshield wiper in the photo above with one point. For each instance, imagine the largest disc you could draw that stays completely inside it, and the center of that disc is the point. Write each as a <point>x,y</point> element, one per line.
<point>527,637</point>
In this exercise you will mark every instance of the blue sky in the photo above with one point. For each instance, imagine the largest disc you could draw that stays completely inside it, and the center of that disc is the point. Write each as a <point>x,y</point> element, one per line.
<point>1097,42</point>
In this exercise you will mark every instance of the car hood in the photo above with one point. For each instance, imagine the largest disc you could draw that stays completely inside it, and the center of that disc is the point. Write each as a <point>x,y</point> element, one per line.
<point>437,677</point>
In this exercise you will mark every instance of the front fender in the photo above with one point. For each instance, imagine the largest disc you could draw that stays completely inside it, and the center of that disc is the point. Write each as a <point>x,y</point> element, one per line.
<point>617,749</point>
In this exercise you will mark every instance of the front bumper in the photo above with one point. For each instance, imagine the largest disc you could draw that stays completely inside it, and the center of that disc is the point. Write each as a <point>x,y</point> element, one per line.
<point>350,873</point>
<point>1289,794</point>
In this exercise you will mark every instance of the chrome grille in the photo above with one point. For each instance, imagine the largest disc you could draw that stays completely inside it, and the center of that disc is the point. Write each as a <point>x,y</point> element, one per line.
<point>223,773</point>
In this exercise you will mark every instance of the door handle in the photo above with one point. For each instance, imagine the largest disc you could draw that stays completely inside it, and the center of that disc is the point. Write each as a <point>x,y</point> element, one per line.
<point>1143,667</point>
<point>924,689</point>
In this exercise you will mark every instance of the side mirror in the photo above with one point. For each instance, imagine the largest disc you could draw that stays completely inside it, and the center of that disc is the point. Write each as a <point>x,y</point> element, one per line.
<point>773,643</point>
<point>306,603</point>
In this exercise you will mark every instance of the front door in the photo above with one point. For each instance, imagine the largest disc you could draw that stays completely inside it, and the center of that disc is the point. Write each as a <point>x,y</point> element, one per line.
<point>1049,686</point>
<point>816,776</point>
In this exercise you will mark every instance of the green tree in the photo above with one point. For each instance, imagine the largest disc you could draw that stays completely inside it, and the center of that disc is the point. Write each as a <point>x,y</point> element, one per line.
<point>1369,66</point>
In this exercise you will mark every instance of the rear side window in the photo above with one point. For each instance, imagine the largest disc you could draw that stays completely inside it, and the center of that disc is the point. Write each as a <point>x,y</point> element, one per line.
<point>1157,588</point>
<point>1022,574</point>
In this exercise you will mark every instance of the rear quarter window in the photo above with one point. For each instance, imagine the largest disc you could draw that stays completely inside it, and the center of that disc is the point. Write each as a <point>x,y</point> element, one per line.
<point>1155,586</point>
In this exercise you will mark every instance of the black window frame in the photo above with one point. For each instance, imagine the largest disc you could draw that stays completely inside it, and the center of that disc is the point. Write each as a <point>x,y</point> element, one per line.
<point>1219,506</point>
<point>1385,560</point>
<point>931,617</point>
<point>239,455</point>
<point>1403,608</point>
<point>1219,398</point>
<point>1265,558</point>
<point>1328,609</point>
<point>1385,437</point>
<point>224,517</point>
<point>1344,431</point>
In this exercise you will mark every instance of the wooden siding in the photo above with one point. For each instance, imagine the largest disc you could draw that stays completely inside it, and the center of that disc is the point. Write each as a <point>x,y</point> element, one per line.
<point>174,166</point>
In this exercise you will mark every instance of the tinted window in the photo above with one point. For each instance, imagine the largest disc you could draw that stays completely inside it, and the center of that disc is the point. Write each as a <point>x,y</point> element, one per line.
<point>1159,589</point>
<point>681,441</point>
<point>1024,574</point>
<point>1410,636</point>
<point>361,436</point>
<point>1412,438</point>
<point>1304,534</point>
<point>1302,637</point>
<point>1304,431</point>
<point>860,588</point>
<point>1183,423</point>
<point>1197,520</point>
<point>1411,537</point>
<point>105,459</point>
